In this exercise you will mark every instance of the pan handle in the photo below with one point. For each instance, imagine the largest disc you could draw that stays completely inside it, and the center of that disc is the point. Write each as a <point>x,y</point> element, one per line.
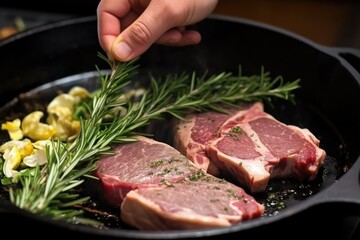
<point>9,210</point>
<point>344,192</point>
<point>7,207</point>
<point>350,58</point>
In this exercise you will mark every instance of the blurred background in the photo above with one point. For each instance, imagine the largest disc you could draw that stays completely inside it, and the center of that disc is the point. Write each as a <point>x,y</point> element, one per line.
<point>327,22</point>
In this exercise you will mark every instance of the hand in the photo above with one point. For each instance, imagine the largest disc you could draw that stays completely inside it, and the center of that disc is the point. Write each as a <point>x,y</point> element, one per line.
<point>127,28</point>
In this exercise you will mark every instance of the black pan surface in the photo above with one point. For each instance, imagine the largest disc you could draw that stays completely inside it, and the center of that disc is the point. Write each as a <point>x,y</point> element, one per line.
<point>326,104</point>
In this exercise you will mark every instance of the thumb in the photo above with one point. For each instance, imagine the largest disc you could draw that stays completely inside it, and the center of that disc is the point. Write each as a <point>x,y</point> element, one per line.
<point>141,34</point>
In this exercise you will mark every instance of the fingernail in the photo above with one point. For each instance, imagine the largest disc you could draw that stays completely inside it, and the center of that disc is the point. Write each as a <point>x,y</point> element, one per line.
<point>122,50</point>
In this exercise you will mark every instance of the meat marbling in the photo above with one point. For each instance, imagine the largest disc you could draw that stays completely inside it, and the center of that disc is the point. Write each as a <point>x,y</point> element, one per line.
<point>189,204</point>
<point>253,147</point>
<point>159,188</point>
<point>142,164</point>
<point>192,137</point>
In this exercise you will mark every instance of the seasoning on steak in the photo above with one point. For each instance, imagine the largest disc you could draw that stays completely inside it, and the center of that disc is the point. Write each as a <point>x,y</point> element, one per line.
<point>254,147</point>
<point>203,202</point>
<point>145,163</point>
<point>159,188</point>
<point>192,137</point>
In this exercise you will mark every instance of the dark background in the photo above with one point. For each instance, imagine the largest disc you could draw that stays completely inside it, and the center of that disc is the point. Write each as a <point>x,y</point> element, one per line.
<point>328,22</point>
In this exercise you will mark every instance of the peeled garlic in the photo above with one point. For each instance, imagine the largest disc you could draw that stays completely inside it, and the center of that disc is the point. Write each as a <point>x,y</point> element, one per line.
<point>39,155</point>
<point>24,146</point>
<point>79,93</point>
<point>33,128</point>
<point>12,160</point>
<point>13,129</point>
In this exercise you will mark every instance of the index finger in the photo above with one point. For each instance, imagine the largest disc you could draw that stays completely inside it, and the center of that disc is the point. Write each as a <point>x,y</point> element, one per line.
<point>109,13</point>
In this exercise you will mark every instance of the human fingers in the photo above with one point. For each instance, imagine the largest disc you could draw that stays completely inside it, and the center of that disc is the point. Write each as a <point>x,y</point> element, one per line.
<point>142,33</point>
<point>179,37</point>
<point>109,26</point>
<point>158,17</point>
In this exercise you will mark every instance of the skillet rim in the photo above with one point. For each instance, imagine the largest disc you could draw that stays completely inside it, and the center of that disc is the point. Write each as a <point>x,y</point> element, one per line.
<point>305,204</point>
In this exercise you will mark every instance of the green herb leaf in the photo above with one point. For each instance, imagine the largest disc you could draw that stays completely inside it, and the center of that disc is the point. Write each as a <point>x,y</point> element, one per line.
<point>51,190</point>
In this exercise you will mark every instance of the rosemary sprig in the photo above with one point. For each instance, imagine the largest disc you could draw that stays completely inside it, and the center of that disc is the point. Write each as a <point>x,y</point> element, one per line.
<point>51,190</point>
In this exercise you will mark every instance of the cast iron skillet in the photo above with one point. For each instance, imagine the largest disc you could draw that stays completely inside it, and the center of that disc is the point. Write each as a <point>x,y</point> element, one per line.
<point>326,104</point>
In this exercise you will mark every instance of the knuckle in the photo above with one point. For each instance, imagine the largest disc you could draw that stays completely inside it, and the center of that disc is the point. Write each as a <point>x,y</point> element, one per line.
<point>140,33</point>
<point>180,14</point>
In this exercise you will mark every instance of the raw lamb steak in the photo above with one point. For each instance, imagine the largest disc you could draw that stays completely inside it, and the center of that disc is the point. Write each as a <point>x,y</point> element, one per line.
<point>190,204</point>
<point>193,136</point>
<point>253,147</point>
<point>159,188</point>
<point>146,163</point>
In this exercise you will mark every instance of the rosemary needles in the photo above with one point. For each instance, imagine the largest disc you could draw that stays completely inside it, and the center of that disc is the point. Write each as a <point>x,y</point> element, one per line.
<point>51,190</point>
